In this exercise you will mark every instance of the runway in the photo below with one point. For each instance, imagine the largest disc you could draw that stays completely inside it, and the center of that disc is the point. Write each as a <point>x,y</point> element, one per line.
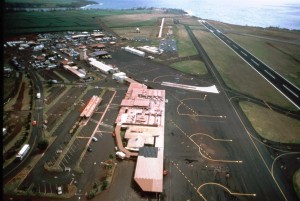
<point>289,90</point>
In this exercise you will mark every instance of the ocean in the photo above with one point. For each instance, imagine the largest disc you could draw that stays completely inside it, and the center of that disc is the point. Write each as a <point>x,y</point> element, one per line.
<point>260,13</point>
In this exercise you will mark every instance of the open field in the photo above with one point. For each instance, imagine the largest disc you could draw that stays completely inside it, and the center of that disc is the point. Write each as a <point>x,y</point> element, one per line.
<point>282,57</point>
<point>272,125</point>
<point>47,3</point>
<point>280,34</point>
<point>130,32</point>
<point>150,18</point>
<point>193,67</point>
<point>236,73</point>
<point>296,181</point>
<point>184,44</point>
<point>54,21</point>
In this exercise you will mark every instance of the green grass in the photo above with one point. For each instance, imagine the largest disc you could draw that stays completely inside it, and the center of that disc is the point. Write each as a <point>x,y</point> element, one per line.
<point>47,3</point>
<point>140,18</point>
<point>194,67</point>
<point>185,45</point>
<point>282,57</point>
<point>237,74</point>
<point>272,125</point>
<point>36,22</point>
<point>296,183</point>
<point>43,1</point>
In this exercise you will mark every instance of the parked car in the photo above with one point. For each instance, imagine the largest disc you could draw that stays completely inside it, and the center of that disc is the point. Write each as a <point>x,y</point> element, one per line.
<point>94,139</point>
<point>89,149</point>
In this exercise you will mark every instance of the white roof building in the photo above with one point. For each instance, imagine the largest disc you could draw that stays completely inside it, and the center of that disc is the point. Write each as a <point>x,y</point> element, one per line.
<point>101,66</point>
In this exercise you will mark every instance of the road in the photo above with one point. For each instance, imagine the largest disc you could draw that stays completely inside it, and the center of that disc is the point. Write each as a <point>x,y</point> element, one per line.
<point>35,136</point>
<point>289,90</point>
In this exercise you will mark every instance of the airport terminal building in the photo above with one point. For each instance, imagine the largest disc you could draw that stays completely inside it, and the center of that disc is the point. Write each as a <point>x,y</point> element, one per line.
<point>142,118</point>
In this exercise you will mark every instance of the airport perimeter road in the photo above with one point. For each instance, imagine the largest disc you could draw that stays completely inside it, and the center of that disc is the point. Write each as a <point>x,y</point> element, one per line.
<point>16,166</point>
<point>289,90</point>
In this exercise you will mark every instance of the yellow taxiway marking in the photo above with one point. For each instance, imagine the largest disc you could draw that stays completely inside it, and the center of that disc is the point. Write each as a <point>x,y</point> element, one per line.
<point>176,165</point>
<point>208,158</point>
<point>215,139</point>
<point>220,185</point>
<point>194,113</point>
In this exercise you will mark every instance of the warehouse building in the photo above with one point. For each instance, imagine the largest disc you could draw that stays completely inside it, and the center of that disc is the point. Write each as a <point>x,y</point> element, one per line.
<point>74,70</point>
<point>134,51</point>
<point>101,66</point>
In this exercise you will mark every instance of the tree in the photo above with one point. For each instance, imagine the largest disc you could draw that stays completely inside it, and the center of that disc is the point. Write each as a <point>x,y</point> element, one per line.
<point>43,144</point>
<point>104,184</point>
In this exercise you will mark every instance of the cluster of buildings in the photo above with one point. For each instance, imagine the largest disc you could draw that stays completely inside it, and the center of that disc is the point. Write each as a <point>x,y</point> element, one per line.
<point>142,117</point>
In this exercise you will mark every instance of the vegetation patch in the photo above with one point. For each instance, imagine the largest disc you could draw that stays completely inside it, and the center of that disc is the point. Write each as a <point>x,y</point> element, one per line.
<point>282,57</point>
<point>193,67</point>
<point>237,74</point>
<point>296,183</point>
<point>99,186</point>
<point>46,3</point>
<point>185,45</point>
<point>272,125</point>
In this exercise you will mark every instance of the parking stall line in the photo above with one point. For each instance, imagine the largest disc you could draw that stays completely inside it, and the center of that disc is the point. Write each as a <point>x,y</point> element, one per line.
<point>71,148</point>
<point>68,156</point>
<point>67,162</point>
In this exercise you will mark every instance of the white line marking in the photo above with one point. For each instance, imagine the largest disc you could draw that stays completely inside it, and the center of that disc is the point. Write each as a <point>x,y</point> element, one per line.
<point>290,91</point>
<point>255,62</point>
<point>244,53</point>
<point>270,74</point>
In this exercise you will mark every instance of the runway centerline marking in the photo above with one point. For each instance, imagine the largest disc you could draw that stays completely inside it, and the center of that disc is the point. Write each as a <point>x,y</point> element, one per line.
<point>290,91</point>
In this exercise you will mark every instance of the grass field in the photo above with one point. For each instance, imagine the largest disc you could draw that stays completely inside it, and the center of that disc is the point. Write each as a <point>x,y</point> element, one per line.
<point>282,57</point>
<point>138,19</point>
<point>296,183</point>
<point>193,67</point>
<point>47,3</point>
<point>185,45</point>
<point>236,73</point>
<point>272,125</point>
<point>36,22</point>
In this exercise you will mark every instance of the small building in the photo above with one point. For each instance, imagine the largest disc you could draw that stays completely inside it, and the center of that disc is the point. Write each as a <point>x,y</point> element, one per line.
<point>90,107</point>
<point>120,77</point>
<point>74,70</point>
<point>100,46</point>
<point>98,53</point>
<point>82,54</point>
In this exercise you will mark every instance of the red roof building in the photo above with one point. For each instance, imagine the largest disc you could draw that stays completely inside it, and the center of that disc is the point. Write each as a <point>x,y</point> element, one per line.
<point>90,107</point>
<point>142,114</point>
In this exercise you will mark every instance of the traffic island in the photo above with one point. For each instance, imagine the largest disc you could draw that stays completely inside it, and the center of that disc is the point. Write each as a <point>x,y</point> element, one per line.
<point>109,168</point>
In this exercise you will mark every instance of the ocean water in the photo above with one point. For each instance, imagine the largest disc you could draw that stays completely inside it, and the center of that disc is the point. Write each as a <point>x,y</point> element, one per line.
<point>261,13</point>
